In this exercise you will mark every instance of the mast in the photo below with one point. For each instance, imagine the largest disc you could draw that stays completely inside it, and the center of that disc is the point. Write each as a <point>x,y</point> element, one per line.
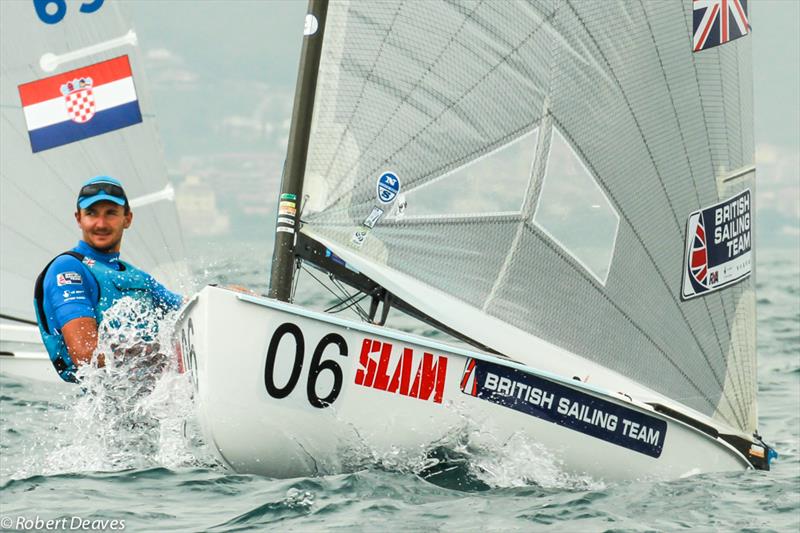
<point>287,225</point>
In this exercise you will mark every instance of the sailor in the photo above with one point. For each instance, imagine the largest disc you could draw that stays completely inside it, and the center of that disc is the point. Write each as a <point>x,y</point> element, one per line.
<point>78,286</point>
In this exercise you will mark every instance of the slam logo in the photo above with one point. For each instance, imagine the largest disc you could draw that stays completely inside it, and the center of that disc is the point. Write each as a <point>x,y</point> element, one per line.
<point>718,246</point>
<point>401,371</point>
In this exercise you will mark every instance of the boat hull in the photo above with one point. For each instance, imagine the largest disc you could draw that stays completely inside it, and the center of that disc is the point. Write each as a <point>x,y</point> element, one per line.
<point>284,392</point>
<point>22,354</point>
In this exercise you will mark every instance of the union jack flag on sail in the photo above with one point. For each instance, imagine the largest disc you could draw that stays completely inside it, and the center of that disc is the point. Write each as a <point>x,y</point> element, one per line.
<point>698,261</point>
<point>718,21</point>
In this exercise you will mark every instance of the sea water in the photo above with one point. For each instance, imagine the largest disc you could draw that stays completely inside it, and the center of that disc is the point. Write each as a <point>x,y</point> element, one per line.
<point>128,453</point>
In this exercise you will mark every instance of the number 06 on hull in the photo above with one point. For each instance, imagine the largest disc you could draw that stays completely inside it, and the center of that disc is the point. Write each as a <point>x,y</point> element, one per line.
<point>283,391</point>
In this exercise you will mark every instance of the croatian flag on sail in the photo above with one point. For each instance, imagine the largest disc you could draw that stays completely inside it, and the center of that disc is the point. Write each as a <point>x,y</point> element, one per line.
<point>718,21</point>
<point>81,103</point>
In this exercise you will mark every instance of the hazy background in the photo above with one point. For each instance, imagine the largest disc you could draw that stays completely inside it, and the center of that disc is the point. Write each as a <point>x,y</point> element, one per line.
<point>224,103</point>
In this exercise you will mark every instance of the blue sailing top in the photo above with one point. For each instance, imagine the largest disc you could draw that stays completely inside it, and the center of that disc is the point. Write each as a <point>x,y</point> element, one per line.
<point>71,290</point>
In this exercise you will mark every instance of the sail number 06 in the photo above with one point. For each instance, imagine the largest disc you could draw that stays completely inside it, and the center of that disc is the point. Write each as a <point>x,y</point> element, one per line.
<point>316,367</point>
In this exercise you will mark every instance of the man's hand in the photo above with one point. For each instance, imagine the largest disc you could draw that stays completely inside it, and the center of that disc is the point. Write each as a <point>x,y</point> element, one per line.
<point>80,336</point>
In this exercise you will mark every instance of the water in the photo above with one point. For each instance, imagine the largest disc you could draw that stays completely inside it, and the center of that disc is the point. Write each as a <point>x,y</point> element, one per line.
<point>132,453</point>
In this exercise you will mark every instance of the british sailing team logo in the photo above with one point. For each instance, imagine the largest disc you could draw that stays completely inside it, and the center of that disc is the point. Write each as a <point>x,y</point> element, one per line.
<point>718,246</point>
<point>79,99</point>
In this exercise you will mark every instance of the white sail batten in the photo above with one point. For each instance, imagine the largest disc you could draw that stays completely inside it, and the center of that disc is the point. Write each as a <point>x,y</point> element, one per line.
<point>38,189</point>
<point>634,133</point>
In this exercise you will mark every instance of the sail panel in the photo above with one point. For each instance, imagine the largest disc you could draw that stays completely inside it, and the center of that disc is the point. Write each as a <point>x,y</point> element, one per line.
<point>422,89</point>
<point>38,190</point>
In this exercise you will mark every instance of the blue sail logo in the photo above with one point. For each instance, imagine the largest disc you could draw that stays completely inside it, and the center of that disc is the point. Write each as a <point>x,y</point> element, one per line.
<point>388,187</point>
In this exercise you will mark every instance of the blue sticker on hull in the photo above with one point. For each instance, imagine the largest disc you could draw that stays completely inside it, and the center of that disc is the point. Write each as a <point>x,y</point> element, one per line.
<point>564,406</point>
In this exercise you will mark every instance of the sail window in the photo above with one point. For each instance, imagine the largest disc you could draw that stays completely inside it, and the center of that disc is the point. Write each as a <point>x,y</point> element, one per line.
<point>574,211</point>
<point>493,183</point>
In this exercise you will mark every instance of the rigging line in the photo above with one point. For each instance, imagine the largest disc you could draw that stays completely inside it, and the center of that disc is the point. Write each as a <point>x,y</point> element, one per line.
<point>338,285</point>
<point>341,287</point>
<point>358,310</point>
<point>689,164</point>
<point>319,281</point>
<point>363,314</point>
<point>504,59</point>
<point>566,133</point>
<point>295,279</point>
<point>593,282</point>
<point>356,302</point>
<point>349,299</point>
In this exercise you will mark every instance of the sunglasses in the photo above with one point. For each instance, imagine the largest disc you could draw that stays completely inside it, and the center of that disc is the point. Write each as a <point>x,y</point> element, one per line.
<point>96,188</point>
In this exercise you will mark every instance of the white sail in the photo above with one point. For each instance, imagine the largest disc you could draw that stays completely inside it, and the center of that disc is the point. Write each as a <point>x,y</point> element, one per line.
<point>629,134</point>
<point>38,189</point>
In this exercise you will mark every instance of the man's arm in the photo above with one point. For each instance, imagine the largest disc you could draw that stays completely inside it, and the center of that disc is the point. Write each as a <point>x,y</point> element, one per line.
<point>80,336</point>
<point>71,294</point>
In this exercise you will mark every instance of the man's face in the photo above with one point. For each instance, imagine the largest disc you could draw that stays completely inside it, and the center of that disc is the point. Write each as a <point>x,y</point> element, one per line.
<point>102,224</point>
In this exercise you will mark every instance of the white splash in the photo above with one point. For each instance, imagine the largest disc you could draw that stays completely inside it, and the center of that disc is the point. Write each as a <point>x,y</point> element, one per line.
<point>136,411</point>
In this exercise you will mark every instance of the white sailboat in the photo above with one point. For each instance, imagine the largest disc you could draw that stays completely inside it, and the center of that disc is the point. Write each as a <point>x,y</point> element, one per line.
<point>38,182</point>
<point>566,186</point>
